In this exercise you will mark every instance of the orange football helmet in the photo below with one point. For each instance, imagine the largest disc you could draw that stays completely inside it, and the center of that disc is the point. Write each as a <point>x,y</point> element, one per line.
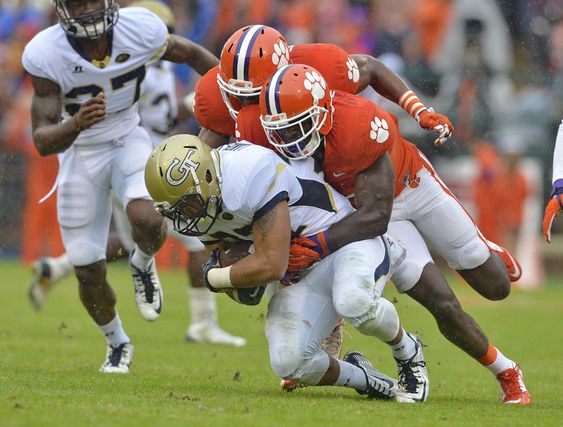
<point>296,110</point>
<point>249,57</point>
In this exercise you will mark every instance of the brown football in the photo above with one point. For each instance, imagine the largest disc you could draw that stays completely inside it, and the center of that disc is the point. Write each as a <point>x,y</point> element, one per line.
<point>234,253</point>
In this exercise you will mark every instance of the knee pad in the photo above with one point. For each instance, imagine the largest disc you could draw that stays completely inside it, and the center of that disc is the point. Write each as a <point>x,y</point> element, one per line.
<point>469,256</point>
<point>306,369</point>
<point>285,361</point>
<point>82,252</point>
<point>381,321</point>
<point>74,205</point>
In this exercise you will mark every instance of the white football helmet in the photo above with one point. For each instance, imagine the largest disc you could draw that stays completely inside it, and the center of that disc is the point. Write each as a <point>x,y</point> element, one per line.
<point>91,25</point>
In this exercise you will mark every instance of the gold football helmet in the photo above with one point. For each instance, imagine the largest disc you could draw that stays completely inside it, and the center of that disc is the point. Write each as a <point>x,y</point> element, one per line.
<point>183,176</point>
<point>160,9</point>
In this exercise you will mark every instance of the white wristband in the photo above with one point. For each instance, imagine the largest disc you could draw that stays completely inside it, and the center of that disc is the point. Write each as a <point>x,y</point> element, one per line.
<point>220,278</point>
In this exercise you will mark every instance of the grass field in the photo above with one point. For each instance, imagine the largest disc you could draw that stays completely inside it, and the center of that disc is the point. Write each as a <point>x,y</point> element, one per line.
<point>49,365</point>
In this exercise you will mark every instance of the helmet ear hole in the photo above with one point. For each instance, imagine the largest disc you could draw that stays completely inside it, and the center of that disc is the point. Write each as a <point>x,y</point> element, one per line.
<point>208,176</point>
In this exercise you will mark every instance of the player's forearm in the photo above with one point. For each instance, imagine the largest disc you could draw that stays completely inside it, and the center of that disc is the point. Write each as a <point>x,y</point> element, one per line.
<point>181,50</point>
<point>256,270</point>
<point>55,138</point>
<point>358,226</point>
<point>373,194</point>
<point>377,75</point>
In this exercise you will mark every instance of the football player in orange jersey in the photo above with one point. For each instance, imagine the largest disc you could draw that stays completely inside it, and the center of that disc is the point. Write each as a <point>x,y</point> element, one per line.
<point>555,205</point>
<point>255,52</point>
<point>423,209</point>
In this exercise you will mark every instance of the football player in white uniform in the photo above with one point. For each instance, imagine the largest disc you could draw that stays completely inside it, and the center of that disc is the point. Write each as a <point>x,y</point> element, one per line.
<point>243,192</point>
<point>158,110</point>
<point>86,74</point>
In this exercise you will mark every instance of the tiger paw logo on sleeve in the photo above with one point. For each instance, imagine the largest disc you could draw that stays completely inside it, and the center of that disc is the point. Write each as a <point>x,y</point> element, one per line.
<point>315,84</point>
<point>353,70</point>
<point>379,130</point>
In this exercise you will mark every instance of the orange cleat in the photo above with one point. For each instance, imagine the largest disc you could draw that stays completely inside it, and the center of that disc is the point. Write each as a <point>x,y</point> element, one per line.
<point>512,384</point>
<point>290,385</point>
<point>513,267</point>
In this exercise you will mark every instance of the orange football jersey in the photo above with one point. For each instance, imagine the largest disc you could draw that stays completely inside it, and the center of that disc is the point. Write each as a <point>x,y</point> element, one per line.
<point>361,133</point>
<point>352,144</point>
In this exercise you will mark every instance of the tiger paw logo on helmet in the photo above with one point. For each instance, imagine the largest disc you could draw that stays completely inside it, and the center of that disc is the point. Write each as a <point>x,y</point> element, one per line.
<point>316,84</point>
<point>353,70</point>
<point>379,130</point>
<point>280,57</point>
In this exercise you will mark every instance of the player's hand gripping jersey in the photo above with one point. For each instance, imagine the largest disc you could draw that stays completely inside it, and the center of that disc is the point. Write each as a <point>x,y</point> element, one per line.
<point>139,40</point>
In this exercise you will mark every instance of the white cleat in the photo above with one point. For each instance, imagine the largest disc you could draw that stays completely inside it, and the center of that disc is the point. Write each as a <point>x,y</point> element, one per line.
<point>413,376</point>
<point>211,333</point>
<point>118,359</point>
<point>379,385</point>
<point>45,275</point>
<point>148,292</point>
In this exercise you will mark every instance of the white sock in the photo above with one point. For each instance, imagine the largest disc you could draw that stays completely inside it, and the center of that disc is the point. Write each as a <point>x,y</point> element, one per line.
<point>61,266</point>
<point>114,332</point>
<point>405,349</point>
<point>500,364</point>
<point>351,376</point>
<point>140,259</point>
<point>203,305</point>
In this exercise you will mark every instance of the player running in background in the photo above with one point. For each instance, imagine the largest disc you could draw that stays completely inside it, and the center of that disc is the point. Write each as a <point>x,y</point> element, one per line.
<point>300,125</point>
<point>158,110</point>
<point>86,74</point>
<point>555,204</point>
<point>243,192</point>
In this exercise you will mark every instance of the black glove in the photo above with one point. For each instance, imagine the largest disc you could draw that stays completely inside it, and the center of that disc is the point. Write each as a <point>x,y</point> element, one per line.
<point>212,262</point>
<point>246,296</point>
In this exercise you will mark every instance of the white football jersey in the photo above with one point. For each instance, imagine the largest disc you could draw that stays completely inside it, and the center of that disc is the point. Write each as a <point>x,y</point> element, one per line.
<point>255,179</point>
<point>137,40</point>
<point>158,106</point>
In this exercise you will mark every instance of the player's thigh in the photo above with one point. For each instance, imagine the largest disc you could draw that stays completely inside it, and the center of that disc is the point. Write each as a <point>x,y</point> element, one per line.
<point>361,270</point>
<point>408,272</point>
<point>128,168</point>
<point>83,211</point>
<point>445,224</point>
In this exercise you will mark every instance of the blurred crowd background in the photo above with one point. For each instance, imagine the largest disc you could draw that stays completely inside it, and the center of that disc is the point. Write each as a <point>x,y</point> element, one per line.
<point>495,67</point>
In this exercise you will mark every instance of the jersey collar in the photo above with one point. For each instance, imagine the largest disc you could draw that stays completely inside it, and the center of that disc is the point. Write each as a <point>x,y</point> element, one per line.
<point>100,64</point>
